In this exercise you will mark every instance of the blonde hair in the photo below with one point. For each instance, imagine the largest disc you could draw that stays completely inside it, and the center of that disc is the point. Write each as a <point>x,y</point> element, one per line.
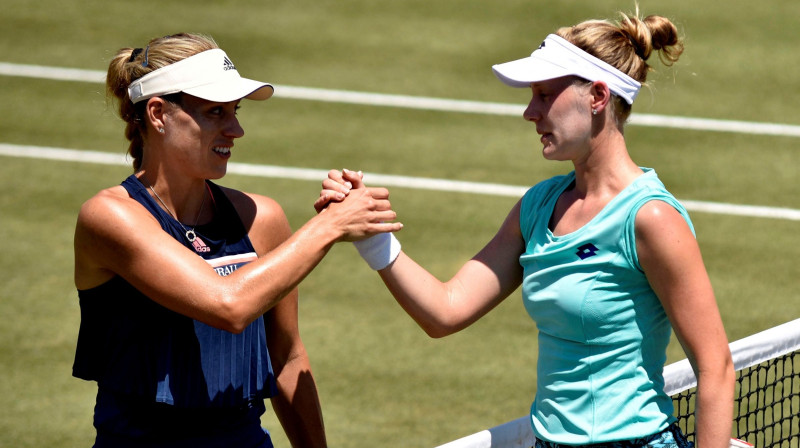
<point>130,64</point>
<point>627,45</point>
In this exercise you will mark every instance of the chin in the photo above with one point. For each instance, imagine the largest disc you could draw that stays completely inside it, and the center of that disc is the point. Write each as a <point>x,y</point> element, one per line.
<point>549,154</point>
<point>218,173</point>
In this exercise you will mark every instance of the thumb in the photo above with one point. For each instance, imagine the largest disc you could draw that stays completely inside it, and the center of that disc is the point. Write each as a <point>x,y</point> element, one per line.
<point>356,178</point>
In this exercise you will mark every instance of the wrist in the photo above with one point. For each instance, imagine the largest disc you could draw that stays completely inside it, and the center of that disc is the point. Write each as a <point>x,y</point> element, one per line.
<point>379,251</point>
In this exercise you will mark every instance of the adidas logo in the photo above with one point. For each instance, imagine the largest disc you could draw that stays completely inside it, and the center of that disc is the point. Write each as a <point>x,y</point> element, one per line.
<point>227,64</point>
<point>198,244</point>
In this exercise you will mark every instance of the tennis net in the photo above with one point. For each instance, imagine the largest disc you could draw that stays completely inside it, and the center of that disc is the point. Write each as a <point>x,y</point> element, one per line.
<point>767,396</point>
<point>767,400</point>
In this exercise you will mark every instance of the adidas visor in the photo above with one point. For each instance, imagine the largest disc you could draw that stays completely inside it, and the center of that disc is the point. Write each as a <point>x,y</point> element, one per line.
<point>209,75</point>
<point>556,57</point>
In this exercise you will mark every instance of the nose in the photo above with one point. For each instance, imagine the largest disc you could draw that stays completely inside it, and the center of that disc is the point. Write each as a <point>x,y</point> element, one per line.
<point>233,128</point>
<point>532,112</point>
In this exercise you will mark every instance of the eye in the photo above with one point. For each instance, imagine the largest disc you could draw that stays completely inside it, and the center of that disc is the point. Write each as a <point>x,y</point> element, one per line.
<point>540,93</point>
<point>541,96</point>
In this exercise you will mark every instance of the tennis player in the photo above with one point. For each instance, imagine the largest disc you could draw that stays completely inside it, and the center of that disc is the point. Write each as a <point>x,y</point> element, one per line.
<point>188,289</point>
<point>606,256</point>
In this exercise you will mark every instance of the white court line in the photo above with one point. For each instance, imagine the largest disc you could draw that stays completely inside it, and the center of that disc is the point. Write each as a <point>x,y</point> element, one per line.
<point>426,103</point>
<point>387,180</point>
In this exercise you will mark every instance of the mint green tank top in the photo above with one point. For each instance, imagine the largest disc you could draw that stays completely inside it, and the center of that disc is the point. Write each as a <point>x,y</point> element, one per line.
<point>603,333</point>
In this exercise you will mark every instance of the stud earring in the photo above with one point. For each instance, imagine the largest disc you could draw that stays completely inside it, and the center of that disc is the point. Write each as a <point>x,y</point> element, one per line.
<point>160,130</point>
<point>594,112</point>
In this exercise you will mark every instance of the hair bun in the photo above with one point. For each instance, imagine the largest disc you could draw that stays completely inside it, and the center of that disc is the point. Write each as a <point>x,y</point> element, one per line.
<point>664,38</point>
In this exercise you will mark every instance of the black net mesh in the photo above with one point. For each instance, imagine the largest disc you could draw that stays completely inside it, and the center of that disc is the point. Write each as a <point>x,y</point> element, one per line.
<point>767,412</point>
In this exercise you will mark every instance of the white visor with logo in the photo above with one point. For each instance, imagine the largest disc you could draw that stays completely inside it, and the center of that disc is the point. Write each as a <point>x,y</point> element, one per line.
<point>209,75</point>
<point>557,57</point>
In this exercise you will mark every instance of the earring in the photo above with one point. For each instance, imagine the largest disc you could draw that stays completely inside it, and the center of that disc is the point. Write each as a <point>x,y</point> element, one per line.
<point>594,112</point>
<point>160,130</point>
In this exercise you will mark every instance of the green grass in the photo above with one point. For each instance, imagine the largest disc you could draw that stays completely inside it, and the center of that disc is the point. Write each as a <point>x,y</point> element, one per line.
<point>382,381</point>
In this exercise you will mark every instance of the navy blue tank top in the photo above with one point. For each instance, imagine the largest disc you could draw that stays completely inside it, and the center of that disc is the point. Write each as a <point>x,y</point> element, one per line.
<point>133,347</point>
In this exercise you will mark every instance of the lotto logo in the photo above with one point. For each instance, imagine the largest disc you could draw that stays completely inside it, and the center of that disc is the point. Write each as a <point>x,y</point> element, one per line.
<point>586,251</point>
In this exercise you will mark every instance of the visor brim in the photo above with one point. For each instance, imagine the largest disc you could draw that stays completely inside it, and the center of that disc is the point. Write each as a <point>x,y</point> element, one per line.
<point>522,72</point>
<point>227,91</point>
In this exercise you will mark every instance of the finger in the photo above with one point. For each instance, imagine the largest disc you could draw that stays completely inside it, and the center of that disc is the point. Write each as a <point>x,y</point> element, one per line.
<point>381,205</point>
<point>334,186</point>
<point>378,192</point>
<point>385,227</point>
<point>336,175</point>
<point>321,203</point>
<point>326,197</point>
<point>384,216</point>
<point>376,203</point>
<point>356,178</point>
<point>332,195</point>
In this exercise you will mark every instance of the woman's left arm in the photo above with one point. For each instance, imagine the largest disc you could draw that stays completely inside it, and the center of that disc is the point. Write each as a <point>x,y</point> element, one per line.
<point>297,404</point>
<point>670,257</point>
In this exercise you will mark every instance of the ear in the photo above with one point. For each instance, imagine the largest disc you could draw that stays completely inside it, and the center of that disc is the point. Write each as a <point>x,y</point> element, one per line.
<point>154,113</point>
<point>601,95</point>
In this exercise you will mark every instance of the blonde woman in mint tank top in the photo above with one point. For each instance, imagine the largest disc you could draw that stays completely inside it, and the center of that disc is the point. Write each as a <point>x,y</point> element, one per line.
<point>605,255</point>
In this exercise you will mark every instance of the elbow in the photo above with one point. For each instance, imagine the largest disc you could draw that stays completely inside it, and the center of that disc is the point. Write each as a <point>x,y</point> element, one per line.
<point>231,317</point>
<point>720,376</point>
<point>231,325</point>
<point>235,310</point>
<point>728,369</point>
<point>234,327</point>
<point>435,333</point>
<point>439,322</point>
<point>438,330</point>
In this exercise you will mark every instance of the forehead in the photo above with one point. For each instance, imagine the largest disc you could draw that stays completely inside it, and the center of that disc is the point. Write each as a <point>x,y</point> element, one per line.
<point>193,101</point>
<point>555,83</point>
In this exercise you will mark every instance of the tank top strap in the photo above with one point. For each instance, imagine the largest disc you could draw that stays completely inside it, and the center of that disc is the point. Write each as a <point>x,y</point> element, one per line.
<point>139,193</point>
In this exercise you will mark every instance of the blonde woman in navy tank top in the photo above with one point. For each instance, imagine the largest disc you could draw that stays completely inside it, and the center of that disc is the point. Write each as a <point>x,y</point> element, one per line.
<point>605,255</point>
<point>188,290</point>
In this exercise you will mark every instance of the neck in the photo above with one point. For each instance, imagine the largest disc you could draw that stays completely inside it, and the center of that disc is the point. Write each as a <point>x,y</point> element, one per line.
<point>185,201</point>
<point>607,167</point>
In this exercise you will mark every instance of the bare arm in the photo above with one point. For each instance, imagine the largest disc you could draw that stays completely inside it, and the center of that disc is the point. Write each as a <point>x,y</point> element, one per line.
<point>297,403</point>
<point>442,308</point>
<point>671,259</point>
<point>116,236</point>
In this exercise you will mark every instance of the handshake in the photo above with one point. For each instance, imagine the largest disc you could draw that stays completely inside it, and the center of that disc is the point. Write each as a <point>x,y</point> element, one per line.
<point>372,237</point>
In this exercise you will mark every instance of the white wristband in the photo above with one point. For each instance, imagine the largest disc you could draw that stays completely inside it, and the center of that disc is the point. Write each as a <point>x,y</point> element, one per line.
<point>379,250</point>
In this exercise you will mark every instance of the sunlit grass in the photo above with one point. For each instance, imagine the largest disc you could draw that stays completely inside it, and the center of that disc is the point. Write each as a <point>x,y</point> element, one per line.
<point>382,381</point>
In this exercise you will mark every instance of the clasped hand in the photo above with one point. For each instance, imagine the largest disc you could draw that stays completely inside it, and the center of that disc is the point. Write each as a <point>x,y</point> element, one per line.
<point>365,211</point>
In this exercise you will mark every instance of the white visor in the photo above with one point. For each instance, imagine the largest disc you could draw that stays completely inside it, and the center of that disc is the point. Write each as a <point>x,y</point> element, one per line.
<point>556,57</point>
<point>209,75</point>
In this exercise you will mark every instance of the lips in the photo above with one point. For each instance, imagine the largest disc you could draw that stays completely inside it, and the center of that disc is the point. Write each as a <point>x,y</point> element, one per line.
<point>223,151</point>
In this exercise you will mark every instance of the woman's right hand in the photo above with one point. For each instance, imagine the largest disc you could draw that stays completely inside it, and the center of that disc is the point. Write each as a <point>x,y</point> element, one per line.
<point>359,211</point>
<point>337,186</point>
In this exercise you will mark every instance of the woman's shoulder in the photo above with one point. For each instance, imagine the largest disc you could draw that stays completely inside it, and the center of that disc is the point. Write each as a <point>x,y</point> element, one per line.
<point>110,226</point>
<point>263,218</point>
<point>251,206</point>
<point>111,203</point>
<point>117,192</point>
<point>553,182</point>
<point>543,189</point>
